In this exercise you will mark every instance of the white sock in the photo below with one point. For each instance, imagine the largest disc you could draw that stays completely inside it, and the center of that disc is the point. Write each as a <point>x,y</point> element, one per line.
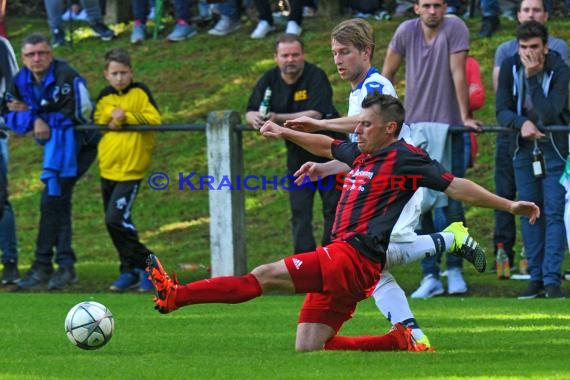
<point>423,246</point>
<point>392,302</point>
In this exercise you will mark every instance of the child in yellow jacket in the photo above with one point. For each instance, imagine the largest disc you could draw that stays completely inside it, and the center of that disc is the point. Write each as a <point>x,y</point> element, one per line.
<point>124,158</point>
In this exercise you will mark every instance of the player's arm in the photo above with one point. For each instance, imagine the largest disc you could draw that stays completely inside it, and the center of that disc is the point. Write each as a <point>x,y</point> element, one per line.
<point>457,67</point>
<point>391,65</point>
<point>468,191</point>
<point>317,144</point>
<point>305,124</point>
<point>314,170</point>
<point>281,118</point>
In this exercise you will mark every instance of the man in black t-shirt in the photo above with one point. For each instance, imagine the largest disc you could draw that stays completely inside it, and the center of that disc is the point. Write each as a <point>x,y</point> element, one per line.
<point>298,88</point>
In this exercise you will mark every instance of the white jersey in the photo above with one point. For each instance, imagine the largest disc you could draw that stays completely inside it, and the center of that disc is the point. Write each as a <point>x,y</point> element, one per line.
<point>404,229</point>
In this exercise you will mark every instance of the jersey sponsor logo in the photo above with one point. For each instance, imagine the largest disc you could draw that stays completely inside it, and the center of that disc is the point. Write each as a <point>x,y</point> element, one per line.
<point>297,263</point>
<point>358,179</point>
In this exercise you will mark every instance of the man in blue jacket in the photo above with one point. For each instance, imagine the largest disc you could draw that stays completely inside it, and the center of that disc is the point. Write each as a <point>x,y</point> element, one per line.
<point>49,98</point>
<point>532,93</point>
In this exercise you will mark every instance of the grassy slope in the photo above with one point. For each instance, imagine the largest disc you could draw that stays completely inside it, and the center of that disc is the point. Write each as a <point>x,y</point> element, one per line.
<point>189,80</point>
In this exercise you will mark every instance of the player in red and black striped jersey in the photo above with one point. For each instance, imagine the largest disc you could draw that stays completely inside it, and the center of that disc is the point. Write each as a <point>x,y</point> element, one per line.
<point>337,276</point>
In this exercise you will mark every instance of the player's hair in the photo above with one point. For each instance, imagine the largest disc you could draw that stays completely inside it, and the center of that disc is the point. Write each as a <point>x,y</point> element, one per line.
<point>391,108</point>
<point>288,38</point>
<point>531,29</point>
<point>357,32</point>
<point>34,39</point>
<point>119,55</point>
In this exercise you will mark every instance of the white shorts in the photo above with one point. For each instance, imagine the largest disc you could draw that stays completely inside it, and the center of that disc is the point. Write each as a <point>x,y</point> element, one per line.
<point>404,229</point>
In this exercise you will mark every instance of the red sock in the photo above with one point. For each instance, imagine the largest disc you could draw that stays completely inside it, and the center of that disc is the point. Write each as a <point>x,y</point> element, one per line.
<point>230,289</point>
<point>386,342</point>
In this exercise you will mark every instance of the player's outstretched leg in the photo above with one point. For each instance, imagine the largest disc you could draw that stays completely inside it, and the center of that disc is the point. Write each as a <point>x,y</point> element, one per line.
<point>465,246</point>
<point>165,287</point>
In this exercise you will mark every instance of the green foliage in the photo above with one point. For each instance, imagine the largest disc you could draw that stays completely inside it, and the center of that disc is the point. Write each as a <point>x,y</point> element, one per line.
<point>189,80</point>
<point>476,338</point>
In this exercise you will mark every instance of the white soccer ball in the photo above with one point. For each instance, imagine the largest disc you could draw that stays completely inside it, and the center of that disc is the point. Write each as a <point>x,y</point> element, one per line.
<point>89,325</point>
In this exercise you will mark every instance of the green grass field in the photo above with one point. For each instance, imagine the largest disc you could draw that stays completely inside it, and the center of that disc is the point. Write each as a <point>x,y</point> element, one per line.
<point>478,338</point>
<point>487,334</point>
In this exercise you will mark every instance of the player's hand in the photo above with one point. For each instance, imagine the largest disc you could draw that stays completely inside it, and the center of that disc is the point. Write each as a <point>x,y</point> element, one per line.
<point>473,124</point>
<point>271,130</point>
<point>529,131</point>
<point>310,169</point>
<point>528,209</point>
<point>259,120</point>
<point>303,124</point>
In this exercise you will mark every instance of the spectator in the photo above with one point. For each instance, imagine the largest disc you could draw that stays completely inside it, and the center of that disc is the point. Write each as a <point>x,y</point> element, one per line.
<point>505,228</point>
<point>183,29</point>
<point>265,25</point>
<point>123,159</point>
<point>8,241</point>
<point>63,104</point>
<point>532,93</point>
<point>443,69</point>
<point>368,9</point>
<point>55,8</point>
<point>299,88</point>
<point>141,13</point>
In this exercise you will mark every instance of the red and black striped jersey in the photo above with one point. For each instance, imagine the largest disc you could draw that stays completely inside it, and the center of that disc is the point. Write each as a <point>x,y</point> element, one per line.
<point>379,185</point>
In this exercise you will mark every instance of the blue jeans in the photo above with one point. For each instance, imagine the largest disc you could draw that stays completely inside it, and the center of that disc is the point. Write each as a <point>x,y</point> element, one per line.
<point>505,230</point>
<point>55,211</point>
<point>228,9</point>
<point>182,10</point>
<point>8,240</point>
<point>453,212</point>
<point>544,241</point>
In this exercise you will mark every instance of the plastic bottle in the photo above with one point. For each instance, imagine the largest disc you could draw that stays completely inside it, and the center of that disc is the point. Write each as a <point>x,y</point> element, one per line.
<point>523,263</point>
<point>538,167</point>
<point>264,106</point>
<point>503,266</point>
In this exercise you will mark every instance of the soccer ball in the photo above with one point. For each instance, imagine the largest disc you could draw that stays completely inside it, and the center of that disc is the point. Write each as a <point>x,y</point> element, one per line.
<point>89,325</point>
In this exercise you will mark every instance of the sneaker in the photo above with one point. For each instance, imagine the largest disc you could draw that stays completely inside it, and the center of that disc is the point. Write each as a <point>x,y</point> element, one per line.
<point>455,282</point>
<point>58,38</point>
<point>553,291</point>
<point>182,31</point>
<point>466,247</point>
<point>421,344</point>
<point>165,287</point>
<point>404,341</point>
<point>10,274</point>
<point>225,25</point>
<point>534,289</point>
<point>145,285</point>
<point>126,281</point>
<point>61,278</point>
<point>261,30</point>
<point>139,33</point>
<point>102,31</point>
<point>35,278</point>
<point>293,28</point>
<point>429,287</point>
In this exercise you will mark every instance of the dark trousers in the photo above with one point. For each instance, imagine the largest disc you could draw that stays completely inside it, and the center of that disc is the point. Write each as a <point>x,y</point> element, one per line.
<point>505,230</point>
<point>301,202</point>
<point>55,211</point>
<point>118,200</point>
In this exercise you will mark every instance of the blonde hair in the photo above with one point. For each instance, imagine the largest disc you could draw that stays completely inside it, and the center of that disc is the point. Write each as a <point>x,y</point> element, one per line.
<point>356,32</point>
